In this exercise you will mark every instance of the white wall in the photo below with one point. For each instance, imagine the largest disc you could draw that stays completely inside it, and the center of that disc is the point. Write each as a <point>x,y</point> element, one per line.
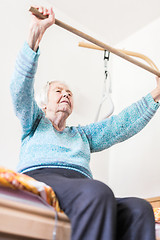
<point>61,59</point>
<point>134,165</point>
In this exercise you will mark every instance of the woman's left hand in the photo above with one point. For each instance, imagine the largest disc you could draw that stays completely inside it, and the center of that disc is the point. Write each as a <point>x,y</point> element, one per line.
<point>156,92</point>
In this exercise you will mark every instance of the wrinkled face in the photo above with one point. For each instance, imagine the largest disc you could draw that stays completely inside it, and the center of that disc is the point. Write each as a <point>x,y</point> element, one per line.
<point>60,98</point>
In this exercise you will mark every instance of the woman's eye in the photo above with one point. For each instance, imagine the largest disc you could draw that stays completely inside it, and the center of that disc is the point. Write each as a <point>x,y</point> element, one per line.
<point>58,91</point>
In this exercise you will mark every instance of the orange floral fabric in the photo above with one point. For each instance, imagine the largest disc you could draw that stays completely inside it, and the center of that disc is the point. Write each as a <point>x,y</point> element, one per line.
<point>11,179</point>
<point>157,214</point>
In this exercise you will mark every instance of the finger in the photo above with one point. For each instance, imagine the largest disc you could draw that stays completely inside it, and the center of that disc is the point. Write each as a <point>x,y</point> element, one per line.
<point>51,14</point>
<point>41,9</point>
<point>45,11</point>
<point>51,11</point>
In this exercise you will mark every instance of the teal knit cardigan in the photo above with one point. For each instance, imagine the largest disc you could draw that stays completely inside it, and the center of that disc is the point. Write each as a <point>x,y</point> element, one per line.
<point>42,146</point>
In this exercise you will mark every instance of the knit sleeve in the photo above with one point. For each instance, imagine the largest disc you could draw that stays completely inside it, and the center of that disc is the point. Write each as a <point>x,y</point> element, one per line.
<point>22,88</point>
<point>118,128</point>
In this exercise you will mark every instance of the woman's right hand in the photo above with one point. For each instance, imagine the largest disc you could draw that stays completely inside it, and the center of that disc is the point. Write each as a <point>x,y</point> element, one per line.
<point>156,92</point>
<point>38,26</point>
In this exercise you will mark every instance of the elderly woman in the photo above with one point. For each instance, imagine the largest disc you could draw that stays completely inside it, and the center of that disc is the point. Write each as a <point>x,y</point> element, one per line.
<point>59,155</point>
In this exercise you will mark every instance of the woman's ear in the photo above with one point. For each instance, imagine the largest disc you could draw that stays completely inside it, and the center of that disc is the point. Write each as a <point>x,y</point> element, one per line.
<point>44,109</point>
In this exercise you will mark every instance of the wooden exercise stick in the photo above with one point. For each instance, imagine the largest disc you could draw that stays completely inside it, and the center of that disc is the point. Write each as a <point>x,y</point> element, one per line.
<point>96,42</point>
<point>130,53</point>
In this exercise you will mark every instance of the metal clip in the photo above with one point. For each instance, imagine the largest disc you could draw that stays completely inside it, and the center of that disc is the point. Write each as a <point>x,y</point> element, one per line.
<point>105,55</point>
<point>106,59</point>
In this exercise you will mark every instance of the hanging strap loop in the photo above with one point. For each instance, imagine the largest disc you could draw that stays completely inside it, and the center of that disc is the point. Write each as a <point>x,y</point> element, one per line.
<point>106,90</point>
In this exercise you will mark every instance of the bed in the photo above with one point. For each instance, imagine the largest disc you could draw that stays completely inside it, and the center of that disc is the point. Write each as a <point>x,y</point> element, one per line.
<point>30,210</point>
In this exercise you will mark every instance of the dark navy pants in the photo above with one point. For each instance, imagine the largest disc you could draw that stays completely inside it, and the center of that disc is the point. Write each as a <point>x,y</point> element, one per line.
<point>94,212</point>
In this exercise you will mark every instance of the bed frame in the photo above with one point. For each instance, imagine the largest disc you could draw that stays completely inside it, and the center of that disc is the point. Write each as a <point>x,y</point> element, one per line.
<point>26,216</point>
<point>155,202</point>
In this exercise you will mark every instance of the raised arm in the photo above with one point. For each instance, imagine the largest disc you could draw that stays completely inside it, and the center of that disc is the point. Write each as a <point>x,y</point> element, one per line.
<point>22,82</point>
<point>130,121</point>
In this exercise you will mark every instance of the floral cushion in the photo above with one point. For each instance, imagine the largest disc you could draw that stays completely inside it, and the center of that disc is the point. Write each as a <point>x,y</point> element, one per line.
<point>157,214</point>
<point>11,179</point>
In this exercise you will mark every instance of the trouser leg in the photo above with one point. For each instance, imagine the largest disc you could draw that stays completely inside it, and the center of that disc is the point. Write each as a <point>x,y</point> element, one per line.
<point>93,215</point>
<point>135,220</point>
<point>90,205</point>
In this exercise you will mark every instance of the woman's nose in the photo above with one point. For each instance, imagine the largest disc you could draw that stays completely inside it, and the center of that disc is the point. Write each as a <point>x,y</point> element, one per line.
<point>65,94</point>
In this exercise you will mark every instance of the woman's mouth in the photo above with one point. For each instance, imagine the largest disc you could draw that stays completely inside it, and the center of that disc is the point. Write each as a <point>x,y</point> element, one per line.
<point>65,101</point>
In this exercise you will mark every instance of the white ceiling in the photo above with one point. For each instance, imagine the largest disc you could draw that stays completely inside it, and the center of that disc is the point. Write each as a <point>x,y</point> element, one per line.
<point>114,20</point>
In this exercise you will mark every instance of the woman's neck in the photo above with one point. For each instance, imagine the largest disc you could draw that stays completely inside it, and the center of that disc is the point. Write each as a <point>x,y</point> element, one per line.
<point>58,121</point>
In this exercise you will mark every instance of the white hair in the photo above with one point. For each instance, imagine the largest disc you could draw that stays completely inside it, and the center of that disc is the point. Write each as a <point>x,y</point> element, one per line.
<point>42,96</point>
